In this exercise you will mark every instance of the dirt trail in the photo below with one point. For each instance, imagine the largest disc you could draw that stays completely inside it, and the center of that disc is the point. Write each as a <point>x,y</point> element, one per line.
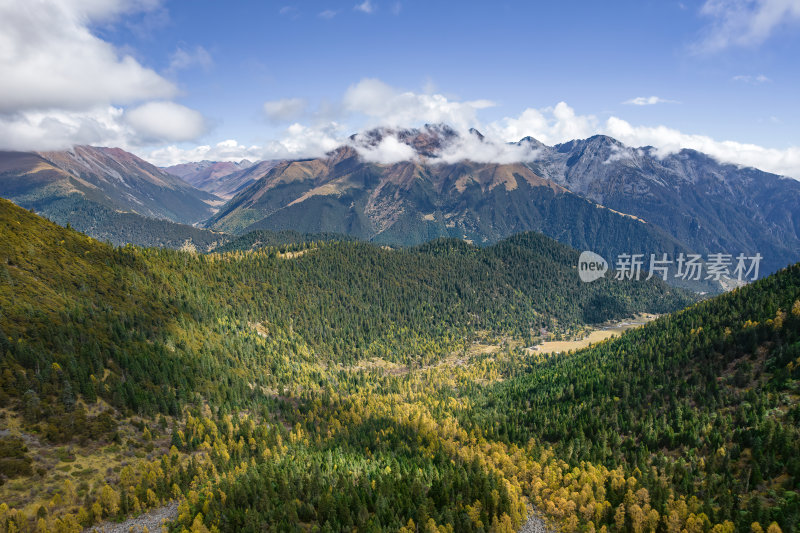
<point>151,520</point>
<point>534,525</point>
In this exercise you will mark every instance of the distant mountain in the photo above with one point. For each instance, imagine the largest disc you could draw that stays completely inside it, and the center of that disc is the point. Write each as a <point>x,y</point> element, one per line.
<point>235,182</point>
<point>412,202</point>
<point>109,193</point>
<point>108,176</point>
<point>593,194</point>
<point>221,178</point>
<point>710,206</point>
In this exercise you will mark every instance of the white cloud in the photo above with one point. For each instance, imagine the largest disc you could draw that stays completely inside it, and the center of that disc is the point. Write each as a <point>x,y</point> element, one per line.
<point>327,14</point>
<point>50,59</point>
<point>648,100</point>
<point>296,142</point>
<point>184,59</point>
<point>305,141</point>
<point>468,145</point>
<point>285,109</point>
<point>754,80</point>
<point>165,121</point>
<point>487,150</point>
<point>745,22</point>
<point>62,85</point>
<point>365,7</point>
<point>550,125</point>
<point>58,129</point>
<point>386,106</point>
<point>388,151</point>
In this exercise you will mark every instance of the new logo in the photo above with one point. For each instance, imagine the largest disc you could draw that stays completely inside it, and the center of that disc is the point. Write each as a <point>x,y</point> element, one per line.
<point>591,266</point>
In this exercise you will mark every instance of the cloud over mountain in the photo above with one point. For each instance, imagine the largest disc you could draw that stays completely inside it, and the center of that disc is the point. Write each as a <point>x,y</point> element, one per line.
<point>372,103</point>
<point>166,121</point>
<point>384,105</point>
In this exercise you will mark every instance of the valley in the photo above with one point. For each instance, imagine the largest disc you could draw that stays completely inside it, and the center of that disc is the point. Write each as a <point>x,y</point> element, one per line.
<point>393,266</point>
<point>381,389</point>
<point>323,369</point>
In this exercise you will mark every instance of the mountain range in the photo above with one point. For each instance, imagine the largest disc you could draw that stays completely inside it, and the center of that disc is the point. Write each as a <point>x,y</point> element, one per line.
<point>707,205</point>
<point>594,194</point>
<point>410,202</point>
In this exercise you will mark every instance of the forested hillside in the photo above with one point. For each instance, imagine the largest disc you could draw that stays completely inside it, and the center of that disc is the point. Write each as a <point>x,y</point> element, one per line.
<point>120,228</point>
<point>701,402</point>
<point>143,317</point>
<point>255,240</point>
<point>344,386</point>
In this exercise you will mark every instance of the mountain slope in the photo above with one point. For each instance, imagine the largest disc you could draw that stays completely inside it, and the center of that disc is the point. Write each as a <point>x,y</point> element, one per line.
<point>702,402</point>
<point>412,202</point>
<point>120,228</point>
<point>109,177</point>
<point>343,383</point>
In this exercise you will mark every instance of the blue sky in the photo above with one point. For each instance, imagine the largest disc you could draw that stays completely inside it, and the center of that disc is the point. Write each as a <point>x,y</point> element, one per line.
<point>718,76</point>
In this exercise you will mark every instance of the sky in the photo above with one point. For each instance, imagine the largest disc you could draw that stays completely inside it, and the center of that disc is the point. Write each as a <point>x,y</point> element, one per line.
<point>179,81</point>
